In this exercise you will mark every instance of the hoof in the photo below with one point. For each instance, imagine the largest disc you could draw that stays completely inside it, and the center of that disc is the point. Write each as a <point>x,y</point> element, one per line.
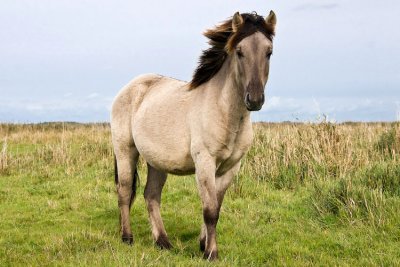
<point>163,243</point>
<point>202,245</point>
<point>211,256</point>
<point>128,239</point>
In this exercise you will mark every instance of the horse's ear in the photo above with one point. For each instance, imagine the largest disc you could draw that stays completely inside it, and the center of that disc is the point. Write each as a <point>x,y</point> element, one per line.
<point>271,19</point>
<point>237,20</point>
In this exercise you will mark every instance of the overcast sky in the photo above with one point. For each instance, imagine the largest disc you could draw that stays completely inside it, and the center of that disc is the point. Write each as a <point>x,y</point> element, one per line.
<point>66,60</point>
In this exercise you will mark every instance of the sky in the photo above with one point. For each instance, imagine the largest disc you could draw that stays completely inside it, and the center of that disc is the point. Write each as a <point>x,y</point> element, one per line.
<point>66,60</point>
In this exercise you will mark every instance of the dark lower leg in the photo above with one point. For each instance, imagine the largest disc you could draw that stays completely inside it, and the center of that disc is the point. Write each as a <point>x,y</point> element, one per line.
<point>203,232</point>
<point>210,220</point>
<point>203,236</point>
<point>123,203</point>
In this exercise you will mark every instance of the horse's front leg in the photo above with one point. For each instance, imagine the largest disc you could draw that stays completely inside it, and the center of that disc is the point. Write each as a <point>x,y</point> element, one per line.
<point>205,177</point>
<point>222,183</point>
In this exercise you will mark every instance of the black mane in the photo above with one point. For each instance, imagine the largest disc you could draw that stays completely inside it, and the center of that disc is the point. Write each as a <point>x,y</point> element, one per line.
<point>223,40</point>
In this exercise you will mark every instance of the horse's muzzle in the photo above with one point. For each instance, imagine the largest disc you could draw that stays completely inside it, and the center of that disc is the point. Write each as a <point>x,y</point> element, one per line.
<point>254,104</point>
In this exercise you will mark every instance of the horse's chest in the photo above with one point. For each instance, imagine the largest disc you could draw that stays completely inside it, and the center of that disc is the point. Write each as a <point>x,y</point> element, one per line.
<point>226,149</point>
<point>232,150</point>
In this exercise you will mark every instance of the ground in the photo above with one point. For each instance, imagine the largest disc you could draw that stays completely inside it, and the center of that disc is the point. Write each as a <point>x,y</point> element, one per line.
<point>307,194</point>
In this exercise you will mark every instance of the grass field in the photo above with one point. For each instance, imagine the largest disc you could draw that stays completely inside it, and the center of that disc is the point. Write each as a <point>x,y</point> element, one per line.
<point>307,194</point>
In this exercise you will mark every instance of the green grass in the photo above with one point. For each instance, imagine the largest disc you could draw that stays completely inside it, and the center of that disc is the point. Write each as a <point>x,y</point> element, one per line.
<point>307,194</point>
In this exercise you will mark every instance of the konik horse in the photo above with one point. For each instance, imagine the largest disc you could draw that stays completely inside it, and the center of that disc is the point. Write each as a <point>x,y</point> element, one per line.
<point>200,127</point>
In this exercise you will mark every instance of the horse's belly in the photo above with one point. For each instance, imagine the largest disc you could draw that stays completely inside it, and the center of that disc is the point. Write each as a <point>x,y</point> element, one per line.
<point>164,155</point>
<point>162,159</point>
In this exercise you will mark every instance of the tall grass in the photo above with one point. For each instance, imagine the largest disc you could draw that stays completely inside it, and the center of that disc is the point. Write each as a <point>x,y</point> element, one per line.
<point>351,169</point>
<point>288,155</point>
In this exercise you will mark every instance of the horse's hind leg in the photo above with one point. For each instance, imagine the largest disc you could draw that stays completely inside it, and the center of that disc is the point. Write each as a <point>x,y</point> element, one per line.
<point>126,179</point>
<point>152,195</point>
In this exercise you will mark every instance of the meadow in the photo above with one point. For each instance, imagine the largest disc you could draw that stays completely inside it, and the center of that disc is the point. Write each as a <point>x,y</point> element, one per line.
<point>307,194</point>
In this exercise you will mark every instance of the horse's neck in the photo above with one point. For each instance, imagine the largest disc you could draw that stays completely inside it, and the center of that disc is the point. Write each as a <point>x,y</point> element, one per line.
<point>228,99</point>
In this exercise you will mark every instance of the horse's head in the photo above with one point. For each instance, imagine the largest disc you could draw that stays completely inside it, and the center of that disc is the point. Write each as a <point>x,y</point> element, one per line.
<point>246,40</point>
<point>250,48</point>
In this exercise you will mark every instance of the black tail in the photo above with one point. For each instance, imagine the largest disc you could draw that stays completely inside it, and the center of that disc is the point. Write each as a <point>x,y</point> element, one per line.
<point>134,187</point>
<point>134,183</point>
<point>115,170</point>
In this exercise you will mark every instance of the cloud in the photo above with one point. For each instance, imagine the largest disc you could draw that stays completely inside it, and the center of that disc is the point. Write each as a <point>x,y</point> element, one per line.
<point>92,108</point>
<point>316,6</point>
<point>316,106</point>
<point>338,109</point>
<point>277,103</point>
<point>92,95</point>
<point>34,107</point>
<point>276,108</point>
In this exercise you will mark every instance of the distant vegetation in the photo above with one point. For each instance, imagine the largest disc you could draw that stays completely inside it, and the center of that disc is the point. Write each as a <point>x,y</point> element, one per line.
<point>307,194</point>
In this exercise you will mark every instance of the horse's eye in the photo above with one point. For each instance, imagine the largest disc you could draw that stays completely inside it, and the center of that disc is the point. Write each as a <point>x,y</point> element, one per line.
<point>239,53</point>
<point>269,54</point>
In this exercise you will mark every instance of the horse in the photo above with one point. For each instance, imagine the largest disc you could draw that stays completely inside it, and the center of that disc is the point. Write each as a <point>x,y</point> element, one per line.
<point>201,127</point>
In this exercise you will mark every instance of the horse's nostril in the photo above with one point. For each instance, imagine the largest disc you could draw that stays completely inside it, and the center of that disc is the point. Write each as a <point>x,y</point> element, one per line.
<point>247,97</point>
<point>262,98</point>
